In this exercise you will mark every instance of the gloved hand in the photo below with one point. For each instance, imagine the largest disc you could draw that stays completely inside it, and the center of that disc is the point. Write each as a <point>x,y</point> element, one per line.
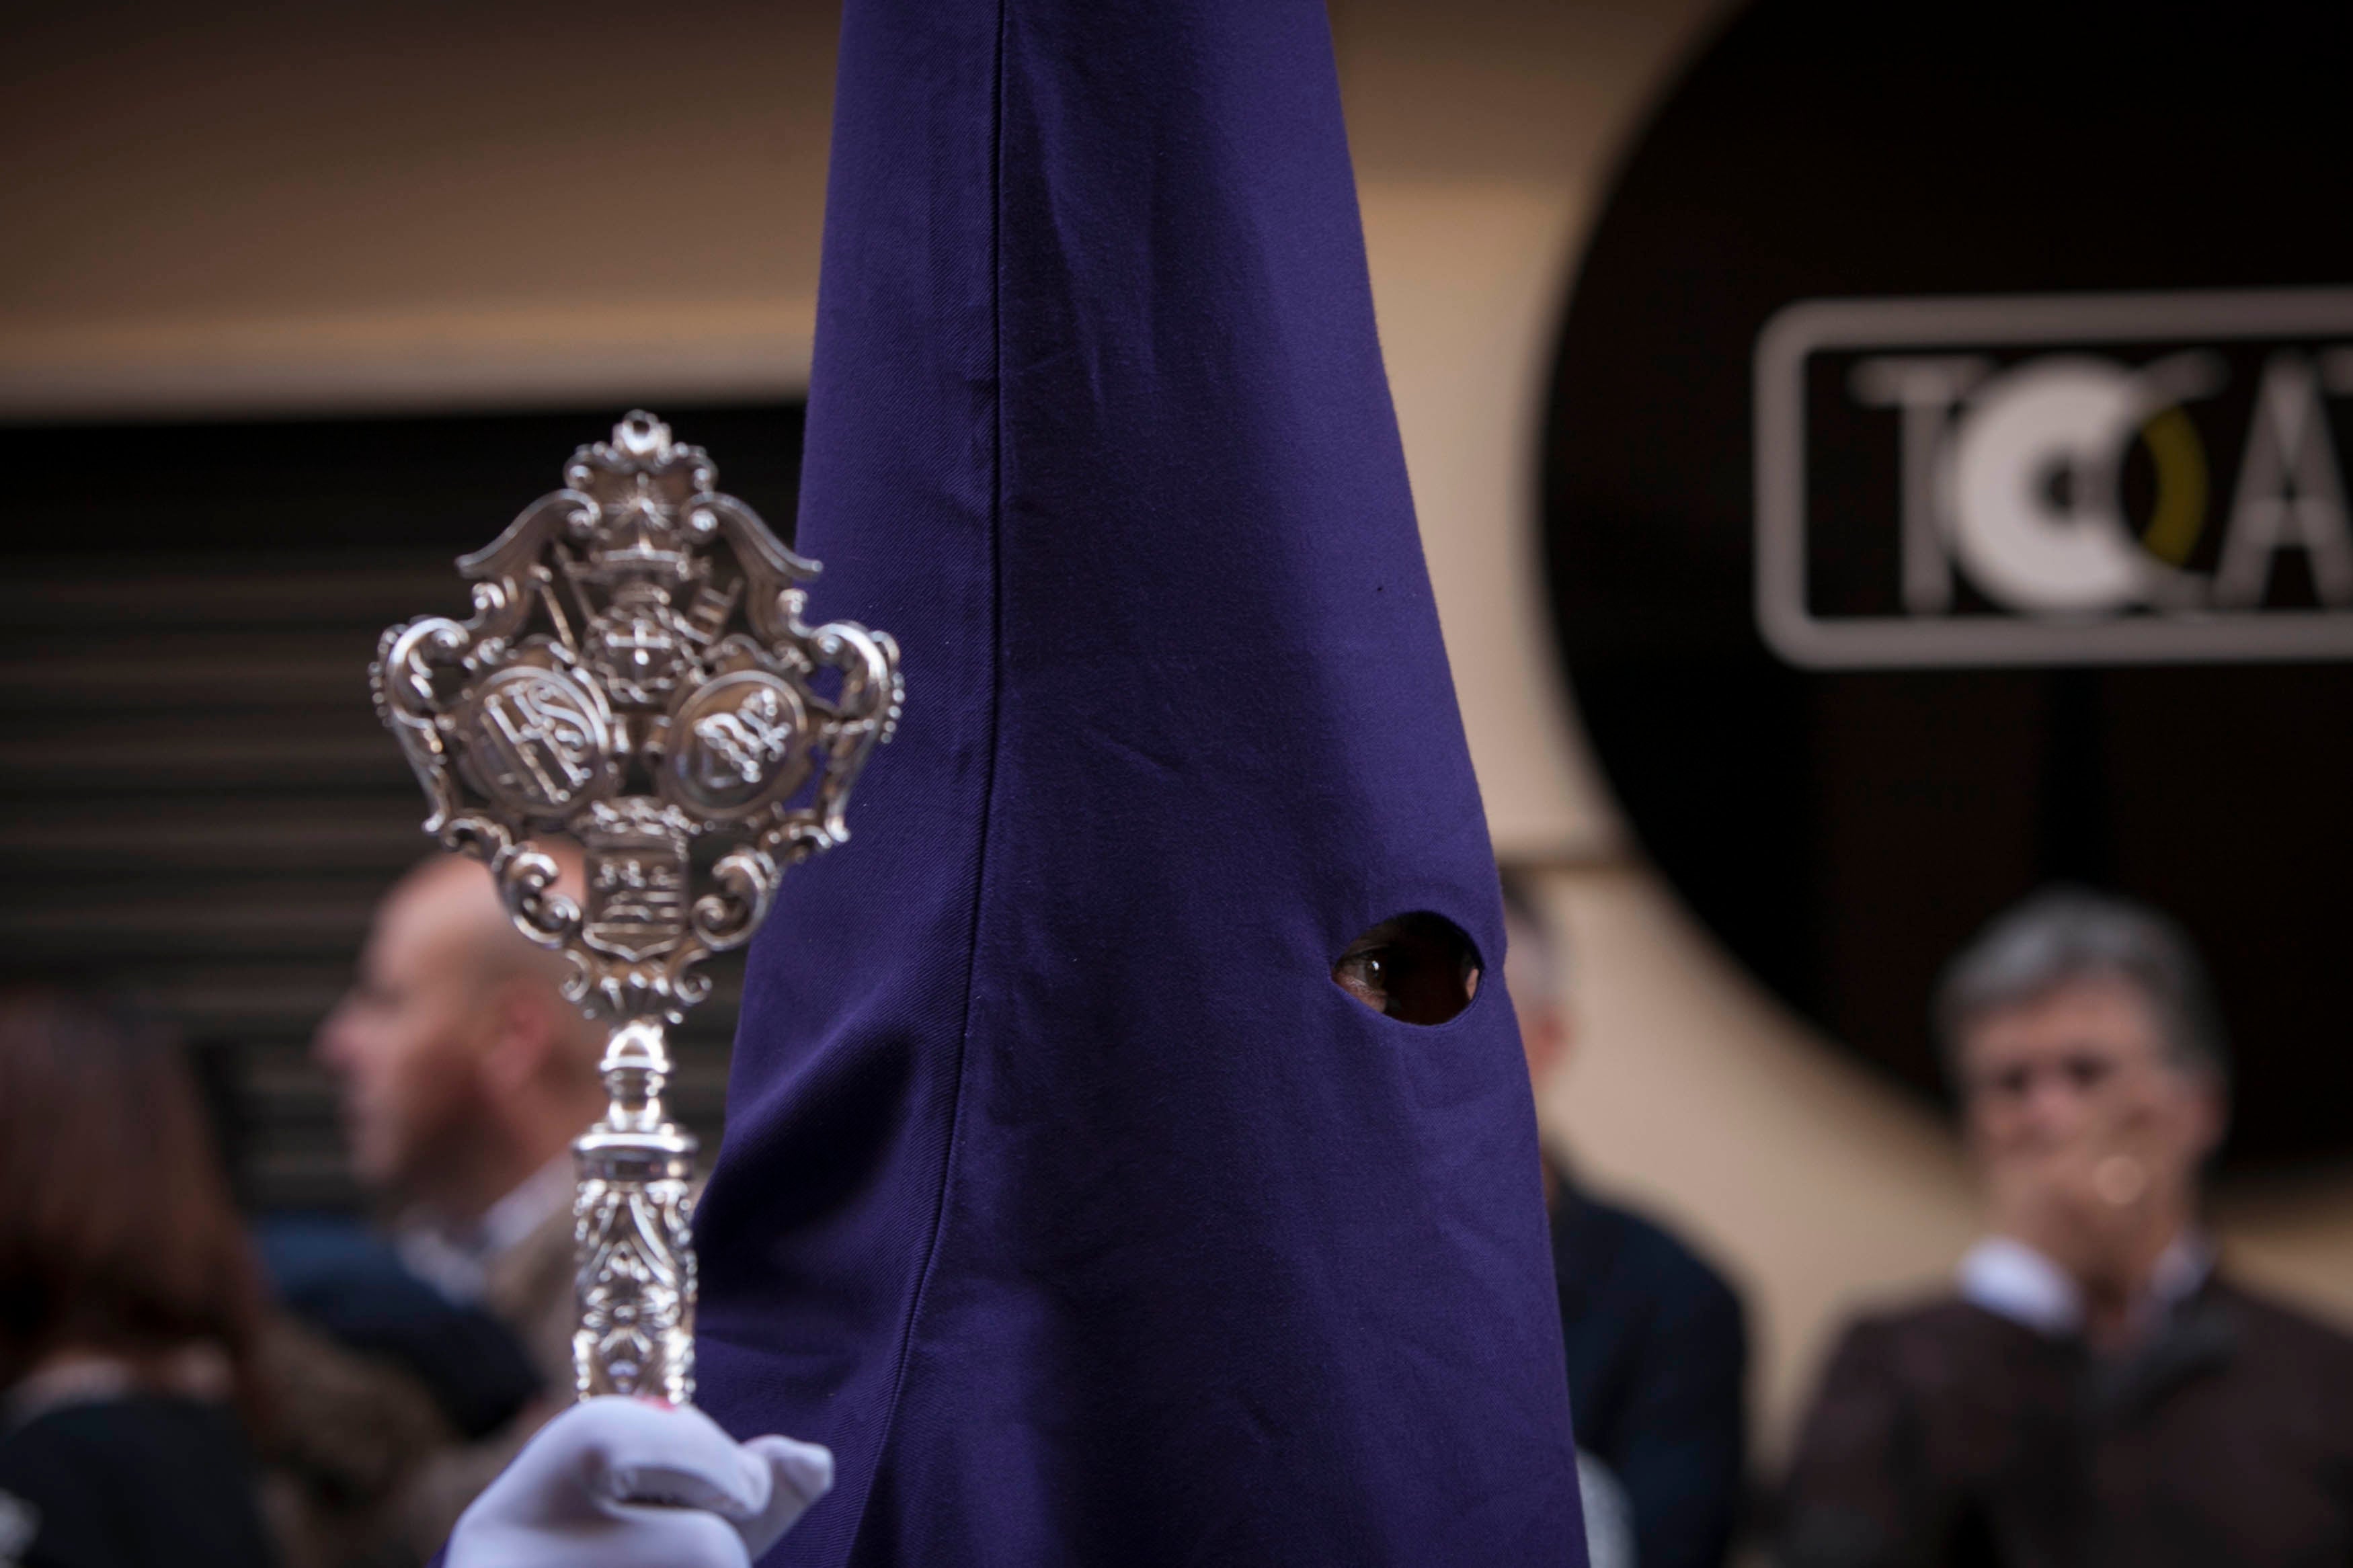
<point>626,1483</point>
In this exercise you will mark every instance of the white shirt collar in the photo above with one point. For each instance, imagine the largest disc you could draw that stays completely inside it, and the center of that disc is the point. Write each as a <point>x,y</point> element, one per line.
<point>2010,1280</point>
<point>516,1216</point>
<point>458,1261</point>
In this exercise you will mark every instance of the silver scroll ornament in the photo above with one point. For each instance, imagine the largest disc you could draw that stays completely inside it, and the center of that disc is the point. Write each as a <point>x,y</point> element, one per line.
<point>637,677</point>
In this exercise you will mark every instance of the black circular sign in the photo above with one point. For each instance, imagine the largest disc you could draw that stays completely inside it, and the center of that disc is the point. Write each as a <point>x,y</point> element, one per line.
<point>1945,495</point>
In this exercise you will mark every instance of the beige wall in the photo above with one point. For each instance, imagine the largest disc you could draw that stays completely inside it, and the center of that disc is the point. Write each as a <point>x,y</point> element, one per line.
<point>389,202</point>
<point>374,204</point>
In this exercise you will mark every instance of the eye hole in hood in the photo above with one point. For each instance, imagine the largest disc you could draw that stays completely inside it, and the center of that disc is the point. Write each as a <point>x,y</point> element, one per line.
<point>1419,968</point>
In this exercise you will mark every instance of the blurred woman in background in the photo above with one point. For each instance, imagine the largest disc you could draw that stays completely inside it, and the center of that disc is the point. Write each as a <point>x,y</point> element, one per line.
<point>129,1303</point>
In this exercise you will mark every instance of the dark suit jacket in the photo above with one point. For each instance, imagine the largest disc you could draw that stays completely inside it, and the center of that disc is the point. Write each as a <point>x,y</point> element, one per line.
<point>143,1481</point>
<point>1947,1435</point>
<point>1658,1360</point>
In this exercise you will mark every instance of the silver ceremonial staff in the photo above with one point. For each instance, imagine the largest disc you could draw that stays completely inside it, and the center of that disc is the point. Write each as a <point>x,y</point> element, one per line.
<point>637,677</point>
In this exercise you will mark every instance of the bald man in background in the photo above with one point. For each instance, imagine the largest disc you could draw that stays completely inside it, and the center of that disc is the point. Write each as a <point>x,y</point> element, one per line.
<point>465,1075</point>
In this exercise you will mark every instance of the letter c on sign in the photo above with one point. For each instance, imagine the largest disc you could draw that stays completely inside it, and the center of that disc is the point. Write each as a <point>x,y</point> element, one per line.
<point>2030,483</point>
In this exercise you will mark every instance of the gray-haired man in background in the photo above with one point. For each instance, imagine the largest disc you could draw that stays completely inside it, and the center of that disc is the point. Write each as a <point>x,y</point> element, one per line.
<point>2095,1392</point>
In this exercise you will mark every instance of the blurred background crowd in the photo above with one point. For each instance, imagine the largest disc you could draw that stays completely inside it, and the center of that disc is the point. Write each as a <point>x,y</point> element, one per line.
<point>1881,479</point>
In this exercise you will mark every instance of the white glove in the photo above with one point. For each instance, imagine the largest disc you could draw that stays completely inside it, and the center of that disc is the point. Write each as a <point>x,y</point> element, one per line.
<point>626,1483</point>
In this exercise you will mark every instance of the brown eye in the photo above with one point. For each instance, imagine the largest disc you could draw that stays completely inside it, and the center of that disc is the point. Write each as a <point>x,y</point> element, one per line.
<point>1362,973</point>
<point>2086,1072</point>
<point>1419,968</point>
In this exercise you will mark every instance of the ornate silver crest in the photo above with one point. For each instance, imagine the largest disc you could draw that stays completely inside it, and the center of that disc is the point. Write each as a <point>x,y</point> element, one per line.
<point>637,677</point>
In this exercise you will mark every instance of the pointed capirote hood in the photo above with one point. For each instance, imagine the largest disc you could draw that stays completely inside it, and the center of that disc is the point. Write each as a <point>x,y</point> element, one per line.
<point>1063,1193</point>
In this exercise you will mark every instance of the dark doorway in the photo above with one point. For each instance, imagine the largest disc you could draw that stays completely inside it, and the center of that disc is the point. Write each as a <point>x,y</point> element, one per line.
<point>201,805</point>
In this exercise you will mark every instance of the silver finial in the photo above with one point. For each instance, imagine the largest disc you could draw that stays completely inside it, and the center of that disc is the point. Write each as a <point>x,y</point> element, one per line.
<point>637,677</point>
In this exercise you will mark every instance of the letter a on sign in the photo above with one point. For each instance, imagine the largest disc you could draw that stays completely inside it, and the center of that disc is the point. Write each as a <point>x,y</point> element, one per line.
<point>2290,494</point>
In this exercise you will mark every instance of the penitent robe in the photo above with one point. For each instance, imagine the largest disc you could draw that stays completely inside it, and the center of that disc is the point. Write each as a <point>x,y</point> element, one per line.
<point>1064,1194</point>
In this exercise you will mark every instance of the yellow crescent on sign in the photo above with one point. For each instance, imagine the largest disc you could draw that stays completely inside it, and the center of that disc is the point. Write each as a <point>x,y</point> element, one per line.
<point>2180,515</point>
